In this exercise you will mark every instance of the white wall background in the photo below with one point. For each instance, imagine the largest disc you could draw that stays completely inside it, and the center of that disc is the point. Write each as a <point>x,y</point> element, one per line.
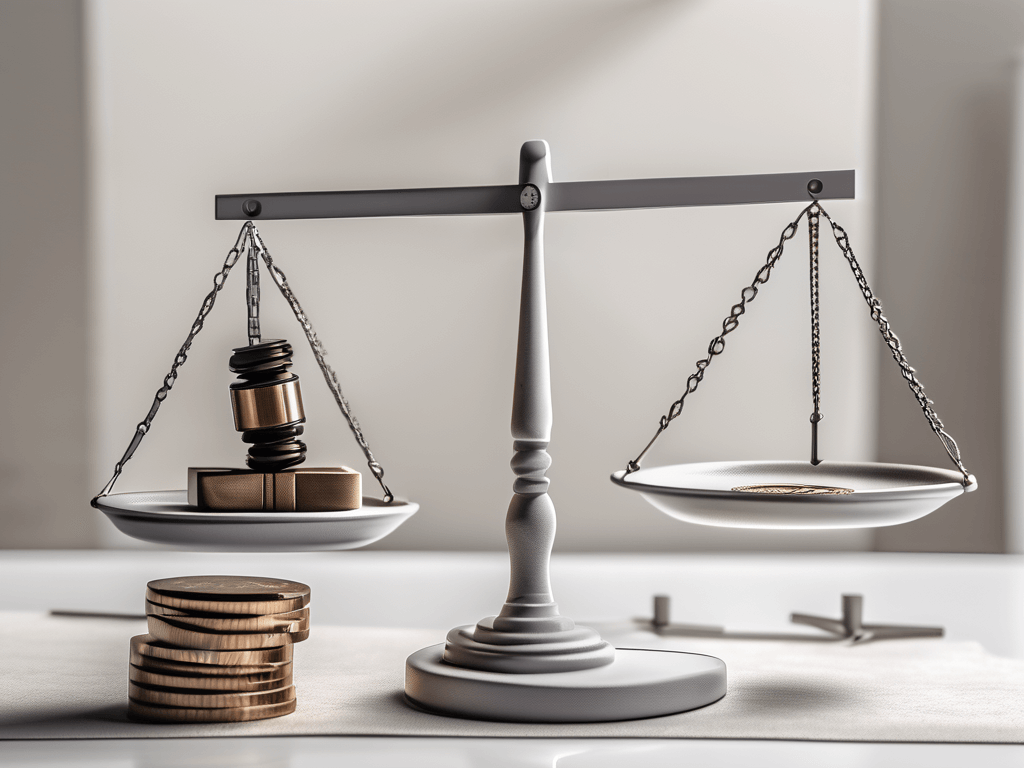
<point>190,99</point>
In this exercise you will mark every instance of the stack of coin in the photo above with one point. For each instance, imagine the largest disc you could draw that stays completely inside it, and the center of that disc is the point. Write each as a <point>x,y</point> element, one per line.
<point>219,649</point>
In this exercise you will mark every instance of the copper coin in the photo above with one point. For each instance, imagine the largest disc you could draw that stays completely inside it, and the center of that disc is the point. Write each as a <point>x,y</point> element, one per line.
<point>167,667</point>
<point>147,645</point>
<point>153,713</point>
<point>294,621</point>
<point>246,683</point>
<point>794,489</point>
<point>173,697</point>
<point>242,607</point>
<point>230,589</point>
<point>163,628</point>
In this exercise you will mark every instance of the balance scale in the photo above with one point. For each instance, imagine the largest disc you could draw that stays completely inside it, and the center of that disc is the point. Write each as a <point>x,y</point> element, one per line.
<point>529,663</point>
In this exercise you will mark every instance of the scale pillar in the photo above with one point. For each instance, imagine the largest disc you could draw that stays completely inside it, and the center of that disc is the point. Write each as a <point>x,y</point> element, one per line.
<point>529,663</point>
<point>530,523</point>
<point>529,635</point>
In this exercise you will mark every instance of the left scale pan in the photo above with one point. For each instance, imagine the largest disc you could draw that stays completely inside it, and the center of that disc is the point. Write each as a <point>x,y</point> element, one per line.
<point>165,517</point>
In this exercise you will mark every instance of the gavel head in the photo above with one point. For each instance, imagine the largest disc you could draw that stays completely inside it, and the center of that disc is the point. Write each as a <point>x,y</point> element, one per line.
<point>267,405</point>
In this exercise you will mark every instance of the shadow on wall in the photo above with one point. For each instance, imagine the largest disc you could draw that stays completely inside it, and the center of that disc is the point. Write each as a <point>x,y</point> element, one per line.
<point>535,58</point>
<point>44,484</point>
<point>946,94</point>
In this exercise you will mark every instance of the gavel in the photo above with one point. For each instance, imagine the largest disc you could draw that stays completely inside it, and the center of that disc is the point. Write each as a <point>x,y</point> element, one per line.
<point>267,405</point>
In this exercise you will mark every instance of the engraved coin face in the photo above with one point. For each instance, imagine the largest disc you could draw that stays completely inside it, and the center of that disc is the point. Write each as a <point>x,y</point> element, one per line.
<point>794,489</point>
<point>230,588</point>
<point>529,198</point>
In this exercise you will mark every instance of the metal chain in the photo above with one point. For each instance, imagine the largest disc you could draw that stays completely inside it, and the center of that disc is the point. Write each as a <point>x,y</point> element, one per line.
<point>893,342</point>
<point>717,345</point>
<point>812,236</point>
<point>249,237</point>
<point>748,294</point>
<point>252,290</point>
<point>179,360</point>
<point>319,352</point>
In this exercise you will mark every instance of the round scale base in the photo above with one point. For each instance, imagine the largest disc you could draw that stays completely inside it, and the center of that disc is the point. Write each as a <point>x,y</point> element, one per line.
<point>638,684</point>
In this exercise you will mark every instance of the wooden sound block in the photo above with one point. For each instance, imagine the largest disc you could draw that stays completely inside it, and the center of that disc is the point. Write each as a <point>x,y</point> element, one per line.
<point>303,489</point>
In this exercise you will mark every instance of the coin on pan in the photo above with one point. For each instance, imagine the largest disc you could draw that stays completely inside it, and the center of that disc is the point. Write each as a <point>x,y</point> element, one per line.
<point>147,645</point>
<point>162,628</point>
<point>295,621</point>
<point>154,713</point>
<point>167,667</point>
<point>171,697</point>
<point>231,594</point>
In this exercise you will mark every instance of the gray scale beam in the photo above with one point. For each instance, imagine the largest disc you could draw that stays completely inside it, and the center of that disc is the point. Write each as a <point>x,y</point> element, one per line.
<point>564,196</point>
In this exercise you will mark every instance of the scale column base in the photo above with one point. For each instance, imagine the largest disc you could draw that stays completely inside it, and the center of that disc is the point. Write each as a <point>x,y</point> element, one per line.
<point>637,684</point>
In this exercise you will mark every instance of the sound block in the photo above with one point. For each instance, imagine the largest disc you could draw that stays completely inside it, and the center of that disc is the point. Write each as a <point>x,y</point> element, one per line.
<point>301,489</point>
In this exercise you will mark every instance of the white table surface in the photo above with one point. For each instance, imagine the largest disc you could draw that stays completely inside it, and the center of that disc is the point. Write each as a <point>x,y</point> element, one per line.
<point>976,597</point>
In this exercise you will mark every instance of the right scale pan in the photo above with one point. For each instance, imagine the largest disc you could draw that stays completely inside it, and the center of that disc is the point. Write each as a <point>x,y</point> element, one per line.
<point>795,494</point>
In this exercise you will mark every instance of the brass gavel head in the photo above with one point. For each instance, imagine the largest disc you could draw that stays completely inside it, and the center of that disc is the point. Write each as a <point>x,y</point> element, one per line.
<point>267,405</point>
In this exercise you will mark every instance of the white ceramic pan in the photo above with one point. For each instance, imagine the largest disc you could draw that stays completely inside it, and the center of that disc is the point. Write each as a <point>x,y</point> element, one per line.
<point>864,495</point>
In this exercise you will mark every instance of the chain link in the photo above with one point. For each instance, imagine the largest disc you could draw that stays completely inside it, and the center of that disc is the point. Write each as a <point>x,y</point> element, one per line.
<point>812,236</point>
<point>893,342</point>
<point>249,237</point>
<point>717,345</point>
<point>179,360</point>
<point>319,353</point>
<point>252,290</point>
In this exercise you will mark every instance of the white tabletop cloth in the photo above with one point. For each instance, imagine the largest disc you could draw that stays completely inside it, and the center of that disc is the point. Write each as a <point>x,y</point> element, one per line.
<point>67,678</point>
